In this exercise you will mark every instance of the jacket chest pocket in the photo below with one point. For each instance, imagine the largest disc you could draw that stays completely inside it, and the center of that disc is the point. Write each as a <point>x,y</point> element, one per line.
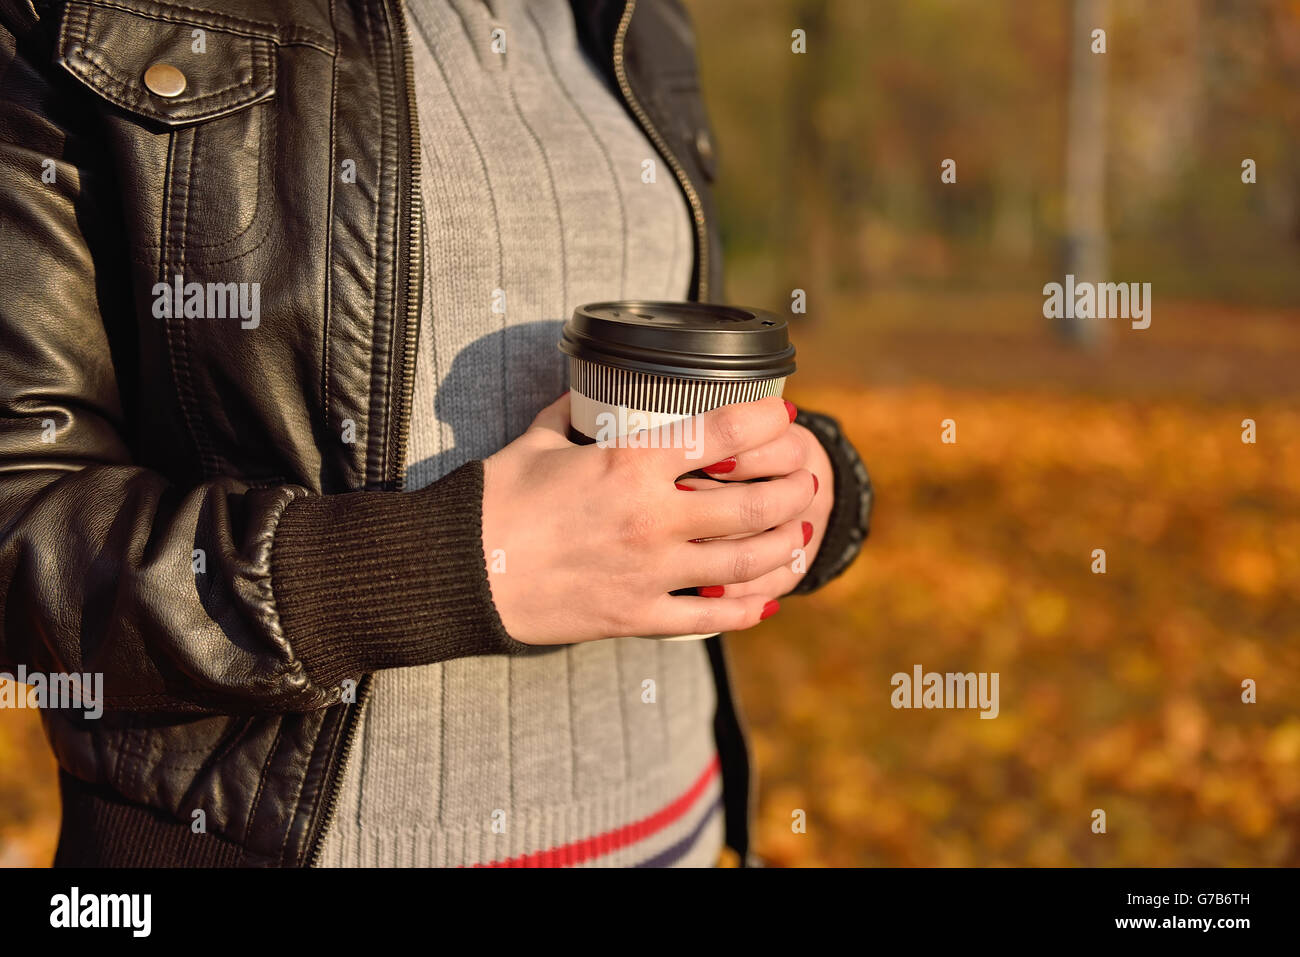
<point>186,108</point>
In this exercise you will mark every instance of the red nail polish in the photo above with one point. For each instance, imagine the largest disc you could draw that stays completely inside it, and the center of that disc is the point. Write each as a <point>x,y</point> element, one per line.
<point>816,484</point>
<point>770,609</point>
<point>710,591</point>
<point>726,465</point>
<point>807,532</point>
<point>790,409</point>
<point>684,488</point>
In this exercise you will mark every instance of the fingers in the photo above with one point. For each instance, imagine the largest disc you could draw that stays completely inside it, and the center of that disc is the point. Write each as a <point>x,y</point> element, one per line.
<point>745,509</point>
<point>785,454</point>
<point>739,560</point>
<point>779,581</point>
<point>689,615</point>
<point>691,483</point>
<point>685,446</point>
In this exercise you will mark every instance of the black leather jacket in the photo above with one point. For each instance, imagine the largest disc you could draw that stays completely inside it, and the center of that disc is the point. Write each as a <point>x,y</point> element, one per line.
<point>210,511</point>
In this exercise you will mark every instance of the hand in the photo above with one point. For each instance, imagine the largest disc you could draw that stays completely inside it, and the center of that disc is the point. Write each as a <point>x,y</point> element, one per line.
<point>797,449</point>
<point>585,542</point>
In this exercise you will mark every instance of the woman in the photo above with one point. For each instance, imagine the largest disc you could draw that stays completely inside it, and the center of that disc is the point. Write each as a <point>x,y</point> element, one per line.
<point>269,531</point>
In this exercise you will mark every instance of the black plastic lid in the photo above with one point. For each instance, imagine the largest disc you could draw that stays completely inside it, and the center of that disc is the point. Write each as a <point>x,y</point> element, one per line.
<point>690,339</point>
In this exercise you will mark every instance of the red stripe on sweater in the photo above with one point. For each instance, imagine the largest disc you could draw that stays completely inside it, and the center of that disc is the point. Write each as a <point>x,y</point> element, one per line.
<point>590,848</point>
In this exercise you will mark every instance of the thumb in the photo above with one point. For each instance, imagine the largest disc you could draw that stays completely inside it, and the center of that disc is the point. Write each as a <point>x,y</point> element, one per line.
<point>554,418</point>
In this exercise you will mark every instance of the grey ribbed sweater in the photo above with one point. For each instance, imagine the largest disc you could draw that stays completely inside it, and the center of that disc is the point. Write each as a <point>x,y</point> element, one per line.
<point>600,753</point>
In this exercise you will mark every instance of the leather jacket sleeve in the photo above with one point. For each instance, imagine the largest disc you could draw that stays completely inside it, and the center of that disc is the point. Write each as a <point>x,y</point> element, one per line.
<point>850,518</point>
<point>209,596</point>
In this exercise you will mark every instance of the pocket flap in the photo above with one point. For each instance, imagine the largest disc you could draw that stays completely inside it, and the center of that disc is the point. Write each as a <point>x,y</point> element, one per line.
<point>110,49</point>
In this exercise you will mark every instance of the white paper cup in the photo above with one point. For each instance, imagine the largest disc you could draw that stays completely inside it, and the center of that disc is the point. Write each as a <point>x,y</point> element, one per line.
<point>636,366</point>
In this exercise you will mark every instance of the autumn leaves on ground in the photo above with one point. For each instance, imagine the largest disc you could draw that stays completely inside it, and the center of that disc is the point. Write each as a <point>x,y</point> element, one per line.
<point>1119,691</point>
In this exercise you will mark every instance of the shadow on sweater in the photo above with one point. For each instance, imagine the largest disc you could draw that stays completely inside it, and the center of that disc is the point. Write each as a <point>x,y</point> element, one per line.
<point>493,390</point>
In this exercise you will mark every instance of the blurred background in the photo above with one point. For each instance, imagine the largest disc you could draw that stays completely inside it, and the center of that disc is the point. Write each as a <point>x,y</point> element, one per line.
<point>1119,691</point>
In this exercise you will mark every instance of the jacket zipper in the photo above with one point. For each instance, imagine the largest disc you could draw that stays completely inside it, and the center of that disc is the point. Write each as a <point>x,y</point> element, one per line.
<point>697,207</point>
<point>399,420</point>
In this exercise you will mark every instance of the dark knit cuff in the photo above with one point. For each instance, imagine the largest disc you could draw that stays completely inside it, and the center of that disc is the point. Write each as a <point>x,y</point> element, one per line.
<point>850,519</point>
<point>372,580</point>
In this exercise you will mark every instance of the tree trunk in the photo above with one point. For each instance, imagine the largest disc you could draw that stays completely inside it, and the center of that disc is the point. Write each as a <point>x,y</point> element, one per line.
<point>1085,253</point>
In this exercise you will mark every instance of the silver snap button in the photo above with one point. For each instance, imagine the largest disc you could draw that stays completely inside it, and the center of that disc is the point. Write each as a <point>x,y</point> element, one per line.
<point>704,146</point>
<point>164,79</point>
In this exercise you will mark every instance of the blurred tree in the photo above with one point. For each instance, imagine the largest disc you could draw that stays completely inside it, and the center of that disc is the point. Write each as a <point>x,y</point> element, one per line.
<point>1085,159</point>
<point>809,255</point>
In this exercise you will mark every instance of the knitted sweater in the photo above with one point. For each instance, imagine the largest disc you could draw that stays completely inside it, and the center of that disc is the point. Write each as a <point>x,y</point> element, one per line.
<point>599,753</point>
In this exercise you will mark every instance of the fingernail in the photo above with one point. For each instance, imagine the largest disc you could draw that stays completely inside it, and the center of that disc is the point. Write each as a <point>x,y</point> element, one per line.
<point>710,591</point>
<point>807,532</point>
<point>684,488</point>
<point>726,465</point>
<point>790,409</point>
<point>816,485</point>
<point>770,609</point>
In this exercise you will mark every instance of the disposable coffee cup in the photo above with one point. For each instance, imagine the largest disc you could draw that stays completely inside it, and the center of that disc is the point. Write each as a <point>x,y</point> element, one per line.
<point>637,366</point>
